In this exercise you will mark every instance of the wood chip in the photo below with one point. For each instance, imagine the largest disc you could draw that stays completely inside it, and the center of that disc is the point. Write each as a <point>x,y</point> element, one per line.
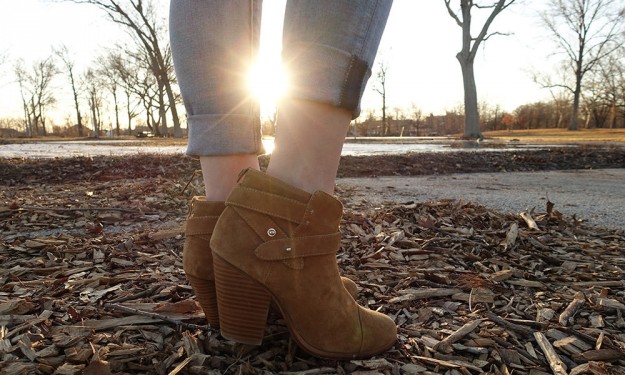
<point>557,366</point>
<point>412,294</point>
<point>90,284</point>
<point>445,345</point>
<point>568,313</point>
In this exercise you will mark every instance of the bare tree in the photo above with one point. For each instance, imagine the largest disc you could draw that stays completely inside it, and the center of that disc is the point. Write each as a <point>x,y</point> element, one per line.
<point>541,115</point>
<point>37,94</point>
<point>111,80</point>
<point>586,31</point>
<point>417,116</point>
<point>399,119</point>
<point>604,92</point>
<point>466,56</point>
<point>146,88</point>
<point>140,18</point>
<point>128,74</point>
<point>93,85</point>
<point>380,88</point>
<point>11,126</point>
<point>21,78</point>
<point>63,53</point>
<point>558,89</point>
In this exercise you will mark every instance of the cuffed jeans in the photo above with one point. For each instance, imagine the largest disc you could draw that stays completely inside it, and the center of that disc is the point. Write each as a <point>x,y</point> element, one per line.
<point>328,49</point>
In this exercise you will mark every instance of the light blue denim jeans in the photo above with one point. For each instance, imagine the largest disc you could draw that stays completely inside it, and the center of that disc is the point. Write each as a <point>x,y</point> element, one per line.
<point>328,48</point>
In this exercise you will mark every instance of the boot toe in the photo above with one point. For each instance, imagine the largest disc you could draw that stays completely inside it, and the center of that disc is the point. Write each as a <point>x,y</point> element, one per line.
<point>379,332</point>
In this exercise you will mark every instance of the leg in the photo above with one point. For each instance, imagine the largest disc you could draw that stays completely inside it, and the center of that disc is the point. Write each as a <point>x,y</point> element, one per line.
<point>214,44</point>
<point>328,50</point>
<point>278,234</point>
<point>308,144</point>
<point>220,173</point>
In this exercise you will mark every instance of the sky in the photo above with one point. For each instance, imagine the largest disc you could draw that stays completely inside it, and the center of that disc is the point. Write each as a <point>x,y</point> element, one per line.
<point>419,47</point>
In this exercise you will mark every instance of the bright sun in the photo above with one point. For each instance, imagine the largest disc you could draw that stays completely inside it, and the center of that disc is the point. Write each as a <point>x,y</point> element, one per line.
<point>268,84</point>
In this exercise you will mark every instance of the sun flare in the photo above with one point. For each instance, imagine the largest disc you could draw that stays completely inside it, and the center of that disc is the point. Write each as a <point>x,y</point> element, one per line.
<point>268,84</point>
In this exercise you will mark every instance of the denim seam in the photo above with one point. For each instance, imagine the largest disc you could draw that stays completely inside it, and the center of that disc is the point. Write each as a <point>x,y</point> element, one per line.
<point>356,56</point>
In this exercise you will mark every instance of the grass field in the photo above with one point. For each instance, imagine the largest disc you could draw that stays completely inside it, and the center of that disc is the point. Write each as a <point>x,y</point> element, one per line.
<point>559,135</point>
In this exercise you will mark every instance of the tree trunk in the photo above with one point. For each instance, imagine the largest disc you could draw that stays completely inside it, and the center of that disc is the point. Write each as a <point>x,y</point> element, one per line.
<point>172,107</point>
<point>78,116</point>
<point>384,121</point>
<point>466,57</point>
<point>76,105</point>
<point>471,114</point>
<point>150,121</point>
<point>166,82</point>
<point>27,123</point>
<point>162,113</point>
<point>612,121</point>
<point>117,127</point>
<point>155,128</point>
<point>98,119</point>
<point>94,117</point>
<point>33,111</point>
<point>163,78</point>
<point>574,124</point>
<point>129,113</point>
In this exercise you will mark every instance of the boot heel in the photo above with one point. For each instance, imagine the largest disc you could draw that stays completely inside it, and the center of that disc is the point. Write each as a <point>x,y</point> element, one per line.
<point>243,304</point>
<point>205,294</point>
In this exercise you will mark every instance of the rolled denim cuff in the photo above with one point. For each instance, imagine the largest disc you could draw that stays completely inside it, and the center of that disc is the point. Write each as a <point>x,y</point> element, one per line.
<point>211,135</point>
<point>326,74</point>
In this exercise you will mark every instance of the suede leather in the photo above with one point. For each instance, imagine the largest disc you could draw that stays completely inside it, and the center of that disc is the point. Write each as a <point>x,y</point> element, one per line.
<point>197,257</point>
<point>286,239</point>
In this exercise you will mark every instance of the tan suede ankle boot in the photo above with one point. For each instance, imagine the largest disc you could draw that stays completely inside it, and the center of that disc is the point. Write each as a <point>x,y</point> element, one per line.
<point>276,242</point>
<point>198,260</point>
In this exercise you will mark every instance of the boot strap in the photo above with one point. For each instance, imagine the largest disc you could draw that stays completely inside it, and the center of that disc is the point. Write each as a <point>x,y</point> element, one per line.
<point>299,247</point>
<point>267,203</point>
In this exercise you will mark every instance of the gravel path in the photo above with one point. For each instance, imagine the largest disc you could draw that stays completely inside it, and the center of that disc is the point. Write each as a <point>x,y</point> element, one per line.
<point>595,196</point>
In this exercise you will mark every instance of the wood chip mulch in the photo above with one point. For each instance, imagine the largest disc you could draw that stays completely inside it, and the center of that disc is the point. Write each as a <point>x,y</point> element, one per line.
<point>91,283</point>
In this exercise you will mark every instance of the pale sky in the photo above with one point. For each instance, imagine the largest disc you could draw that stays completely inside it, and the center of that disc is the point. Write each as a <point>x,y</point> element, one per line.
<point>419,47</point>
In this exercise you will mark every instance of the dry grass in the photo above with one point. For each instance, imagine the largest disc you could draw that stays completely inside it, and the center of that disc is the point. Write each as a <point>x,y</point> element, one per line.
<point>554,136</point>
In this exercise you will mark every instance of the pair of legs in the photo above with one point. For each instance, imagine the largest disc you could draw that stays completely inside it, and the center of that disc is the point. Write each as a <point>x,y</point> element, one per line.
<point>328,49</point>
<point>273,239</point>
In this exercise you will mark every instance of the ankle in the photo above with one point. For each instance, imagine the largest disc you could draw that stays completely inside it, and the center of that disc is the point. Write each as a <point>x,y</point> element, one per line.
<point>309,179</point>
<point>308,144</point>
<point>220,173</point>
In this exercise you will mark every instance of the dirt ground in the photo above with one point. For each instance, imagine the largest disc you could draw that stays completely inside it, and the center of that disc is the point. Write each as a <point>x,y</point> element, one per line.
<point>595,196</point>
<point>91,281</point>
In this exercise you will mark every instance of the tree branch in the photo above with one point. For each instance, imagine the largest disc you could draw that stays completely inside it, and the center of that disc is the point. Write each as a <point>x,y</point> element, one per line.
<point>452,13</point>
<point>497,8</point>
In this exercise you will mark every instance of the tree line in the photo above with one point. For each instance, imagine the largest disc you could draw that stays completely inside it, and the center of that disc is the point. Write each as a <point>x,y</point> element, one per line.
<point>134,78</point>
<point>137,78</point>
<point>589,89</point>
